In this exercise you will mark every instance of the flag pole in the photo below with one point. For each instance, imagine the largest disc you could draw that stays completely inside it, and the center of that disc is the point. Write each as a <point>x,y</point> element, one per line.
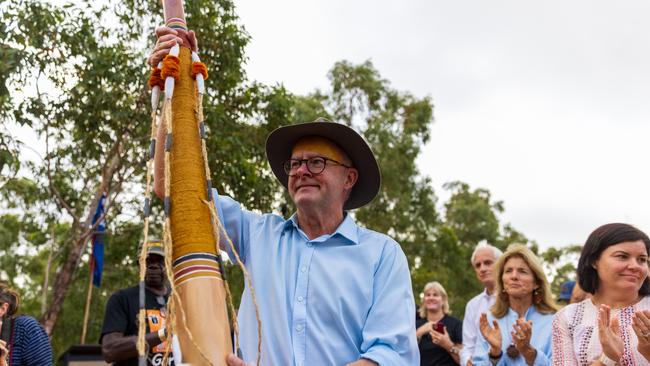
<point>87,309</point>
<point>98,220</point>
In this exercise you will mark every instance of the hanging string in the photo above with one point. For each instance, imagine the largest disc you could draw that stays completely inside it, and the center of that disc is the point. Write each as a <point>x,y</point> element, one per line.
<point>171,67</point>
<point>200,73</point>
<point>141,344</point>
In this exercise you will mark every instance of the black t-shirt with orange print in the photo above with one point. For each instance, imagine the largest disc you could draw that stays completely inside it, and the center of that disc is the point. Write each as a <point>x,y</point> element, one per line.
<point>122,316</point>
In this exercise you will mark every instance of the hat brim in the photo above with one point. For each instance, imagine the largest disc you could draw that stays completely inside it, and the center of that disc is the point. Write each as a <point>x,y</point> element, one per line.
<point>280,143</point>
<point>156,251</point>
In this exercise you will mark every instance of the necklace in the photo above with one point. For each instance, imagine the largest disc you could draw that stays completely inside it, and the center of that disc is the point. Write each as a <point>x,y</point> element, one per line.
<point>512,351</point>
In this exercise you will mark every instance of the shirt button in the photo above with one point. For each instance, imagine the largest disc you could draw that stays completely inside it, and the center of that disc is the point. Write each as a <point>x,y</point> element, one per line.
<point>309,244</point>
<point>303,269</point>
<point>299,328</point>
<point>300,298</point>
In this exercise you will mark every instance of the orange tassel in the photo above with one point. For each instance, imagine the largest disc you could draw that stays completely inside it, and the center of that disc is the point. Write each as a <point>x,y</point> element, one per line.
<point>155,79</point>
<point>171,67</point>
<point>199,68</point>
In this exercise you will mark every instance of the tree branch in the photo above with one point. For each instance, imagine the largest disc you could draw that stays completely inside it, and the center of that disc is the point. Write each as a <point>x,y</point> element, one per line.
<point>55,192</point>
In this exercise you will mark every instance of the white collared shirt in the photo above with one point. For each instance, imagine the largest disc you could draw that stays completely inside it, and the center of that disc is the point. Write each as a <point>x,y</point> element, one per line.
<point>479,304</point>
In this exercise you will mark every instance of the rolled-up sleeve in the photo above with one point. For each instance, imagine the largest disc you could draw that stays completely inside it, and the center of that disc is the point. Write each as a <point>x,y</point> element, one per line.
<point>389,331</point>
<point>480,356</point>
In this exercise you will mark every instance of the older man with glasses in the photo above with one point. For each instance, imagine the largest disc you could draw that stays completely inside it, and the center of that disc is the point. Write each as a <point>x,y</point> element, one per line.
<point>330,292</point>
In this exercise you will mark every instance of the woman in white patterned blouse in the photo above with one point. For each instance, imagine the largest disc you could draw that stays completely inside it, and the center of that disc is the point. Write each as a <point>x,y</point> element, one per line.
<point>613,327</point>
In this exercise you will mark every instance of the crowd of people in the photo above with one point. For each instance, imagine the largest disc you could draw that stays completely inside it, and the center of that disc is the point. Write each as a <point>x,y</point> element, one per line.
<point>515,320</point>
<point>331,292</point>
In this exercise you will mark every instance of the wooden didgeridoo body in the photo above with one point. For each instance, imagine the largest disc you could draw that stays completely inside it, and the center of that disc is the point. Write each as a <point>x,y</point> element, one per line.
<point>197,276</point>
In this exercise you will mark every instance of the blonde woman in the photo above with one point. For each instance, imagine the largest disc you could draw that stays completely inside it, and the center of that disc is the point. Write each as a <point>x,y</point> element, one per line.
<point>439,335</point>
<point>518,329</point>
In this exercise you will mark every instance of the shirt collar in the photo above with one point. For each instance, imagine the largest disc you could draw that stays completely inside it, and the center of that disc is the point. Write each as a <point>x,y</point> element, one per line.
<point>347,229</point>
<point>485,293</point>
<point>532,310</point>
<point>291,221</point>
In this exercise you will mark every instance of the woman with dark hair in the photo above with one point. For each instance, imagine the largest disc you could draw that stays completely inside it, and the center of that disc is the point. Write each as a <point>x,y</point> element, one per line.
<point>518,329</point>
<point>23,340</point>
<point>613,327</point>
<point>440,336</point>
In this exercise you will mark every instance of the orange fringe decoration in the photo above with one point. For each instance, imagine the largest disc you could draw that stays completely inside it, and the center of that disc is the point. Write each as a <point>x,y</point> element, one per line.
<point>156,79</point>
<point>171,67</point>
<point>199,68</point>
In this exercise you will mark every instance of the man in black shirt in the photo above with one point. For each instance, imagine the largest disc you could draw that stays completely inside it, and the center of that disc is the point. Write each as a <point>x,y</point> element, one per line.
<point>120,330</point>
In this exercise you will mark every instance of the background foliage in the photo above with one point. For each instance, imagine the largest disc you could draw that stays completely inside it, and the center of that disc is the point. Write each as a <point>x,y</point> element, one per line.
<point>74,75</point>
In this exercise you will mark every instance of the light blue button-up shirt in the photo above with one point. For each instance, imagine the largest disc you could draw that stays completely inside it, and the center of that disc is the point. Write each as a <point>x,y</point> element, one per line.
<point>327,301</point>
<point>540,339</point>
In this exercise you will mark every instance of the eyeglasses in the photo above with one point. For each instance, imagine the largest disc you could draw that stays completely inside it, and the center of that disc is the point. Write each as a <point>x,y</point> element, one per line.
<point>315,165</point>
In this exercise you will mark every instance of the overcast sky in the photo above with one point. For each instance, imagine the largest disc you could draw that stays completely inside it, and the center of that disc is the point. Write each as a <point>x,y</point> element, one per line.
<point>546,104</point>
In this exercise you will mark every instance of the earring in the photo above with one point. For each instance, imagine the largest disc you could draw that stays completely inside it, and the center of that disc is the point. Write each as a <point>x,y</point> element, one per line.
<point>537,296</point>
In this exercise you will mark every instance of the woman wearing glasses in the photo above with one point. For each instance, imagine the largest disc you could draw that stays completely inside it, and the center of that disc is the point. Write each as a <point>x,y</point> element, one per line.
<point>613,327</point>
<point>518,329</point>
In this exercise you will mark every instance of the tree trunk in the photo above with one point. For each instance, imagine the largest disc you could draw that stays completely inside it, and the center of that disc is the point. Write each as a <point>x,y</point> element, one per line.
<point>48,266</point>
<point>81,235</point>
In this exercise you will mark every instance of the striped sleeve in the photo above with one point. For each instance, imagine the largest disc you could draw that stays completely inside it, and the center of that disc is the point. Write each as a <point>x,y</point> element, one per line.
<point>31,343</point>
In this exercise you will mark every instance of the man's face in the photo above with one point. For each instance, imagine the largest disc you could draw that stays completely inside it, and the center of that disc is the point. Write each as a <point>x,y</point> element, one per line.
<point>324,191</point>
<point>155,275</point>
<point>483,264</point>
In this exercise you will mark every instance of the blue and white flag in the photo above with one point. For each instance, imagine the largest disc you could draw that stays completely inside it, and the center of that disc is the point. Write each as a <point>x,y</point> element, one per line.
<point>97,259</point>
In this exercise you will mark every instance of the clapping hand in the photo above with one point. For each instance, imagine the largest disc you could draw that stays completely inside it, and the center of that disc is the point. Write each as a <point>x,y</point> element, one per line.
<point>521,332</point>
<point>609,334</point>
<point>491,335</point>
<point>641,326</point>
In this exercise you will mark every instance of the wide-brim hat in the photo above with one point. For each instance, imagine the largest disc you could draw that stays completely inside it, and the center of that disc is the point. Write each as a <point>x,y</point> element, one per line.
<point>281,141</point>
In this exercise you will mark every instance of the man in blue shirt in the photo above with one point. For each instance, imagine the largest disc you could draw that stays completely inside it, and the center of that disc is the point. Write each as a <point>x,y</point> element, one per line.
<point>329,291</point>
